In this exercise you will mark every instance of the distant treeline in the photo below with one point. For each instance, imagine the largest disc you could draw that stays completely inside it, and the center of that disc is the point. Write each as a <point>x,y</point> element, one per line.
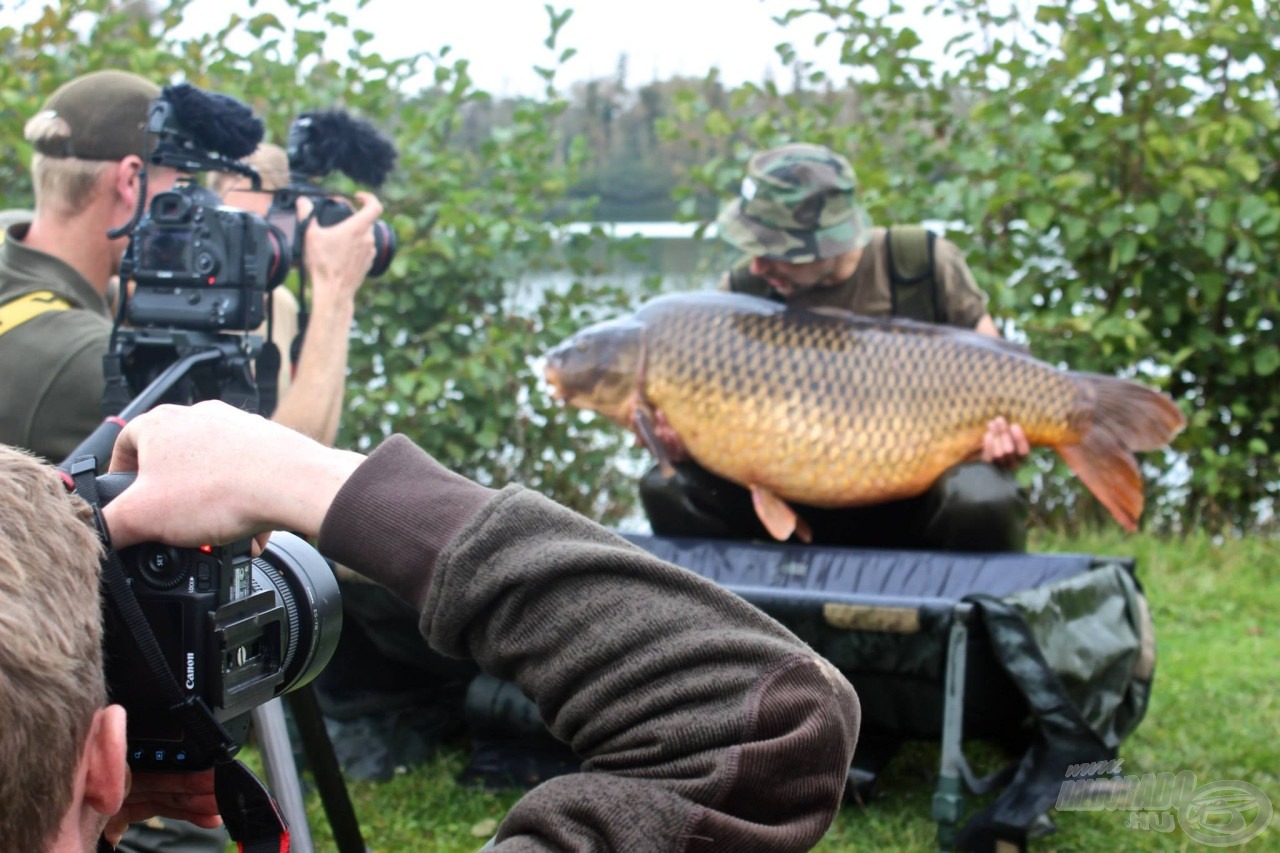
<point>632,146</point>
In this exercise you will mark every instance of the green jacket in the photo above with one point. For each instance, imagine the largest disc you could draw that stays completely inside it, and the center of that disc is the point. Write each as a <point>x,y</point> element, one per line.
<point>54,331</point>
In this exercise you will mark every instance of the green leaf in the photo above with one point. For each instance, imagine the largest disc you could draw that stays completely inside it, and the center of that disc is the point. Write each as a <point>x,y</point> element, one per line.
<point>1126,249</point>
<point>1147,215</point>
<point>259,24</point>
<point>1215,242</point>
<point>1266,360</point>
<point>1039,214</point>
<point>1245,164</point>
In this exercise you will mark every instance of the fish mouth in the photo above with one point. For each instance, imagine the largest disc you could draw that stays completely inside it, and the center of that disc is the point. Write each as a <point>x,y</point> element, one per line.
<point>553,378</point>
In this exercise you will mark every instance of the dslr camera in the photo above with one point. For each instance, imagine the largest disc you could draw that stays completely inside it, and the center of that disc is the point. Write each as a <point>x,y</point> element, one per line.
<point>196,638</point>
<point>198,265</point>
<point>203,267</point>
<point>318,143</point>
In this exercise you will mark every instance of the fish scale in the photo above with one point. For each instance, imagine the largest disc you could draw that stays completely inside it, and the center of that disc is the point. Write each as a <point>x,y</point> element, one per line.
<point>829,409</point>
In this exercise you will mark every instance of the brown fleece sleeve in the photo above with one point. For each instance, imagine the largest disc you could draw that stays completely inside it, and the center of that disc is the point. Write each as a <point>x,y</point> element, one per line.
<point>404,506</point>
<point>702,723</point>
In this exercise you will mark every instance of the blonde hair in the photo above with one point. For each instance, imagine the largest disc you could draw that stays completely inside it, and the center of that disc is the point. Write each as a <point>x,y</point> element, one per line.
<point>65,186</point>
<point>271,162</point>
<point>51,671</point>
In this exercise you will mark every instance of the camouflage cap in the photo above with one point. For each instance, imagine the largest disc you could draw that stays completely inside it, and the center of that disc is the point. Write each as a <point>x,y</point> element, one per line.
<point>797,205</point>
<point>98,116</point>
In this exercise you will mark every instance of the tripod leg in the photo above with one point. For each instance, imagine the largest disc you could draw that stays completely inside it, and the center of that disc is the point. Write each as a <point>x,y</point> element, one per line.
<point>325,770</point>
<point>282,776</point>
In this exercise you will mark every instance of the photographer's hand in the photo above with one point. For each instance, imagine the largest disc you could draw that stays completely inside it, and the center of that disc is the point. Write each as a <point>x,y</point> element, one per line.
<point>337,260</point>
<point>181,796</point>
<point>210,474</point>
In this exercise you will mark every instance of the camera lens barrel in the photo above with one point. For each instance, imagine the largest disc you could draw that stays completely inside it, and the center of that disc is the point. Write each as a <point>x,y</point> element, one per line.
<point>307,589</point>
<point>330,211</point>
<point>384,246</point>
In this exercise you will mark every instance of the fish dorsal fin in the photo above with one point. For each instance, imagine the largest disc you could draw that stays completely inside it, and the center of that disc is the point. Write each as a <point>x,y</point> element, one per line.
<point>832,311</point>
<point>901,325</point>
<point>778,517</point>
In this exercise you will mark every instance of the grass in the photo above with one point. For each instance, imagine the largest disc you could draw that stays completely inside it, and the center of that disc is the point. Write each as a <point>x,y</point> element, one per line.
<point>1214,711</point>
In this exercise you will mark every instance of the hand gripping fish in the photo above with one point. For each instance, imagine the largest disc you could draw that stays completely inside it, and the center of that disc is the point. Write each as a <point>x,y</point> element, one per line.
<point>835,410</point>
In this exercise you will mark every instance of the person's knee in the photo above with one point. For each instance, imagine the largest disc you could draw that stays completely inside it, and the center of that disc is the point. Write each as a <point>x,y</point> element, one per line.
<point>695,502</point>
<point>980,507</point>
<point>980,488</point>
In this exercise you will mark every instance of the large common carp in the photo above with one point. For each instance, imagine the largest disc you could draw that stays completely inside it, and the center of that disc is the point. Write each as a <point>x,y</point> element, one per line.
<point>833,410</point>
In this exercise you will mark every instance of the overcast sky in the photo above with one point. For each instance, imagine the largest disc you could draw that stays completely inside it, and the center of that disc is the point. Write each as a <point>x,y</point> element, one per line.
<point>503,39</point>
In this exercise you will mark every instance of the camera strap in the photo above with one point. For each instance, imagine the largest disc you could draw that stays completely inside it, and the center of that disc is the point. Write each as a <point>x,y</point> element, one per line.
<point>267,371</point>
<point>250,814</point>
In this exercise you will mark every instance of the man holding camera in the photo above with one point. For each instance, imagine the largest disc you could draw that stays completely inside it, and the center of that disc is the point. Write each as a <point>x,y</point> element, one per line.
<point>90,142</point>
<point>703,724</point>
<point>62,746</point>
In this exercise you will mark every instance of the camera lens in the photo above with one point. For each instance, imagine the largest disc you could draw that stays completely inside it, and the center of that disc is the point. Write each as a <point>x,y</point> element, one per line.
<point>384,248</point>
<point>308,591</point>
<point>330,211</point>
<point>278,249</point>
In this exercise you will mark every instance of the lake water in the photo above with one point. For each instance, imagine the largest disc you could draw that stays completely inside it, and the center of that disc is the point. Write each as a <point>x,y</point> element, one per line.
<point>631,252</point>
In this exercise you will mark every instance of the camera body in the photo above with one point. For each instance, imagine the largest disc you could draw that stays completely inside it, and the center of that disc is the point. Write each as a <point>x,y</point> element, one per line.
<point>201,266</point>
<point>235,632</point>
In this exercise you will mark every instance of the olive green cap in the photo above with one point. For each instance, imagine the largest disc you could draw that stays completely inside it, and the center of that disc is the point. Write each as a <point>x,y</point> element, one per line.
<point>98,116</point>
<point>797,205</point>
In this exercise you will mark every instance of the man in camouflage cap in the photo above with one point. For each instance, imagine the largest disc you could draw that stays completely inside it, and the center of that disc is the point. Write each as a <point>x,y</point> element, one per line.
<point>797,206</point>
<point>810,244</point>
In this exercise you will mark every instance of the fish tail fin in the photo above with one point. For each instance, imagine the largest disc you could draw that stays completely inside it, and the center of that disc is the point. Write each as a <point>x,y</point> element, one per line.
<point>1141,418</point>
<point>1110,472</point>
<point>1128,417</point>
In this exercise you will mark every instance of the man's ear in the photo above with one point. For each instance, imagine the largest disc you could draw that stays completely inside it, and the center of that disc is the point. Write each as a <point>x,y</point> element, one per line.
<point>127,184</point>
<point>106,780</point>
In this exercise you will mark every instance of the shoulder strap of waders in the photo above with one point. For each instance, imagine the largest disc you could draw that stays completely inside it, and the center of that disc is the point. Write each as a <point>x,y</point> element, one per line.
<point>28,306</point>
<point>913,282</point>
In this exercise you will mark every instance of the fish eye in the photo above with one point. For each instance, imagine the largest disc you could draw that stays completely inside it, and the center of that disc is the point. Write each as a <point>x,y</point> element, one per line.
<point>581,347</point>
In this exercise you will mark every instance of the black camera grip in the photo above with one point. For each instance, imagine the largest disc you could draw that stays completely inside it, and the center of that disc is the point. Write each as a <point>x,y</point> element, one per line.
<point>111,485</point>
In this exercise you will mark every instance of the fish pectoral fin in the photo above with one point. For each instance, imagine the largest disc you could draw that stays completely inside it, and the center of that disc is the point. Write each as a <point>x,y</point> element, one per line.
<point>778,517</point>
<point>643,422</point>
